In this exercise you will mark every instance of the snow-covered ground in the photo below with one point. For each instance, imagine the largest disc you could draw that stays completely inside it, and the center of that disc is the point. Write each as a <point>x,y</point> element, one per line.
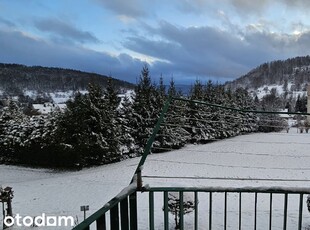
<point>257,156</point>
<point>38,191</point>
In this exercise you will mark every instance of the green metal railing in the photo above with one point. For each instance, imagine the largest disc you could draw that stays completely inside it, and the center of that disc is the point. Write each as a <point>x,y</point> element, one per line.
<point>122,209</point>
<point>286,192</point>
<point>124,214</point>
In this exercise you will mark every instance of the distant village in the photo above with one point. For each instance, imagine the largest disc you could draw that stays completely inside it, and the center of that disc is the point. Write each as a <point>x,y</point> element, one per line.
<point>35,105</point>
<point>46,104</point>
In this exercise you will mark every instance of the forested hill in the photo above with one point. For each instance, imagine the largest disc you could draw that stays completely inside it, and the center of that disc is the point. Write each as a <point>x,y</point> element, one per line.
<point>14,77</point>
<point>293,74</point>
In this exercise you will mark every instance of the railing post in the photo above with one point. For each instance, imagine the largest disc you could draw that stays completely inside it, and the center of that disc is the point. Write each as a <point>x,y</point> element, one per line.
<point>139,179</point>
<point>240,211</point>
<point>255,212</point>
<point>270,212</point>
<point>225,211</point>
<point>210,211</point>
<point>124,214</point>
<point>196,210</point>
<point>114,218</point>
<point>100,223</point>
<point>151,210</point>
<point>166,214</point>
<point>300,211</point>
<point>285,211</point>
<point>133,211</point>
<point>181,200</point>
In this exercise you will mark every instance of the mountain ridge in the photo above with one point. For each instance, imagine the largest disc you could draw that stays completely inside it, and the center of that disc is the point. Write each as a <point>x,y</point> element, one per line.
<point>15,78</point>
<point>292,74</point>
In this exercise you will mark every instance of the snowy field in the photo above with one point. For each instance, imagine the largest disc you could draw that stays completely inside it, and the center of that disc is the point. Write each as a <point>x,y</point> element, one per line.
<point>257,156</point>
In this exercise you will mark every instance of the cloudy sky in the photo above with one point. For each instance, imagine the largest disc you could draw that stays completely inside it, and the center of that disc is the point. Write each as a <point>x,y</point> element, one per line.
<point>184,39</point>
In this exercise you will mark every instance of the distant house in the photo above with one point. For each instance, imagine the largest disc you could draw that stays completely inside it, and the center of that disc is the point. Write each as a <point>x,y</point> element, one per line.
<point>288,118</point>
<point>285,116</point>
<point>48,107</point>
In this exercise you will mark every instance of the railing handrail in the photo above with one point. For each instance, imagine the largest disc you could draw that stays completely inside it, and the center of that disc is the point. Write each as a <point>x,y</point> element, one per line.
<point>114,201</point>
<point>248,189</point>
<point>239,110</point>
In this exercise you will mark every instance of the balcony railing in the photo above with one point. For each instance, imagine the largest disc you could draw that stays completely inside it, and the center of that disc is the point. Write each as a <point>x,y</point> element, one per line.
<point>282,193</point>
<point>122,213</point>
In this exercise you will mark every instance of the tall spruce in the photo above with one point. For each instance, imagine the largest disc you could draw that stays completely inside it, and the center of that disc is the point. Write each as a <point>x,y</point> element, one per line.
<point>172,134</point>
<point>172,90</point>
<point>126,124</point>
<point>113,130</point>
<point>196,115</point>
<point>13,131</point>
<point>144,110</point>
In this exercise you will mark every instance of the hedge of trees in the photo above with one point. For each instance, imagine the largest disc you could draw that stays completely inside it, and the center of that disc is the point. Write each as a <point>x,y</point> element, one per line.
<point>99,128</point>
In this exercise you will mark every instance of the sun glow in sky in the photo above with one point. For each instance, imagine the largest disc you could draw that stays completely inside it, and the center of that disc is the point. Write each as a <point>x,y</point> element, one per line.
<point>183,39</point>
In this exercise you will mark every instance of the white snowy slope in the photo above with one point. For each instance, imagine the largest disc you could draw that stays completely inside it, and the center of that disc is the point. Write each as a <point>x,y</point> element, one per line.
<point>283,156</point>
<point>262,91</point>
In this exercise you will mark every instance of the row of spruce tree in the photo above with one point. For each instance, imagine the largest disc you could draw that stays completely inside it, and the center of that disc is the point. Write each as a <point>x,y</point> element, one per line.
<point>99,128</point>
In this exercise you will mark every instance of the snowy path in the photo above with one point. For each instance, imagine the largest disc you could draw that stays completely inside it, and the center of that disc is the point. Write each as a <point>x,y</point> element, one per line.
<point>261,156</point>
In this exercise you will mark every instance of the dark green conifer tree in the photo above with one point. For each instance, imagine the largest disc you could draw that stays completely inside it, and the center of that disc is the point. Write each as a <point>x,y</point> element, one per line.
<point>126,124</point>
<point>112,127</point>
<point>172,134</point>
<point>145,112</point>
<point>87,129</point>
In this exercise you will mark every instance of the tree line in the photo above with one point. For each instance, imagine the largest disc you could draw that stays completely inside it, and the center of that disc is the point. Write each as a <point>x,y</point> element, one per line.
<point>99,127</point>
<point>16,78</point>
<point>295,70</point>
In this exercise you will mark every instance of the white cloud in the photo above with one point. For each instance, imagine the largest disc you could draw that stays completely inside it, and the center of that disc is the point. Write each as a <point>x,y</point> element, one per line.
<point>227,37</point>
<point>208,51</point>
<point>126,19</point>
